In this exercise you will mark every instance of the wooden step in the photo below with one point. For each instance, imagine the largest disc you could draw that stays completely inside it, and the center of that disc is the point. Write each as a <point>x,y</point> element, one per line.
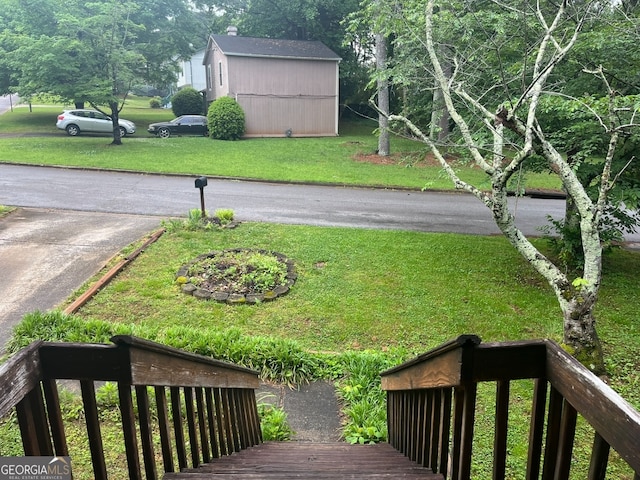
<point>290,460</point>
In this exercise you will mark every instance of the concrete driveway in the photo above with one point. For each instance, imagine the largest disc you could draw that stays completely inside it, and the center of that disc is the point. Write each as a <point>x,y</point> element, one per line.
<point>45,255</point>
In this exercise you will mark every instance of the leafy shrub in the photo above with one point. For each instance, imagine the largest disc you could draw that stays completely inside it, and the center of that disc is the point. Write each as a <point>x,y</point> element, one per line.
<point>155,102</point>
<point>224,215</point>
<point>273,423</point>
<point>187,101</point>
<point>226,119</point>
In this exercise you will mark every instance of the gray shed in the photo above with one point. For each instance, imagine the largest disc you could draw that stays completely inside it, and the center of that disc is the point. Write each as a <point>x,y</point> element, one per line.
<point>285,87</point>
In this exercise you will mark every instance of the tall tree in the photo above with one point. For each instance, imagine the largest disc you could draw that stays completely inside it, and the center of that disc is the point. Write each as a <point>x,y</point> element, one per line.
<point>496,117</point>
<point>93,51</point>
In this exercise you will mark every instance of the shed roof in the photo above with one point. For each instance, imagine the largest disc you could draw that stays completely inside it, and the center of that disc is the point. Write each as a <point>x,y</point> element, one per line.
<point>234,45</point>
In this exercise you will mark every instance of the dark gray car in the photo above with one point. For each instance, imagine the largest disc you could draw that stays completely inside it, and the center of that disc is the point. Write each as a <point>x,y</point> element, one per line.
<point>184,125</point>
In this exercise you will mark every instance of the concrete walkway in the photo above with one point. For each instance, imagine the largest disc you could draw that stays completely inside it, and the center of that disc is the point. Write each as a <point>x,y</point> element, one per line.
<point>45,255</point>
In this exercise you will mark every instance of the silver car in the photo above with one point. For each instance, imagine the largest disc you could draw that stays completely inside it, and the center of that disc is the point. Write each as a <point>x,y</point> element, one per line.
<point>77,121</point>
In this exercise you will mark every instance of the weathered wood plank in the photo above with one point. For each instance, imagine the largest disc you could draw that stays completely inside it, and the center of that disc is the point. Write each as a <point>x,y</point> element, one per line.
<point>440,367</point>
<point>157,368</point>
<point>311,461</point>
<point>156,364</point>
<point>607,412</point>
<point>20,374</point>
<point>129,431</point>
<point>536,429</point>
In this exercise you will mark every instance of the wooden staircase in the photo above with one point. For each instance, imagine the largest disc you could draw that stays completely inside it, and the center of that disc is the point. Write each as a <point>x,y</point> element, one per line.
<point>188,417</point>
<point>326,461</point>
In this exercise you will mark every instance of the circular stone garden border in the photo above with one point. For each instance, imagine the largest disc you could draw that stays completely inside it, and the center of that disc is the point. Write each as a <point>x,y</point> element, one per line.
<point>189,288</point>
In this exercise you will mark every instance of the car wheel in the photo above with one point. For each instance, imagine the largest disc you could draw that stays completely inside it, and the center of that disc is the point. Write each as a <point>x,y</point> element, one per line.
<point>72,130</point>
<point>164,133</point>
<point>123,132</point>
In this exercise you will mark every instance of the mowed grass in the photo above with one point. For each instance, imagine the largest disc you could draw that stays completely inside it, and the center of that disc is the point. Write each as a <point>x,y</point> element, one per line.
<point>343,160</point>
<point>370,289</point>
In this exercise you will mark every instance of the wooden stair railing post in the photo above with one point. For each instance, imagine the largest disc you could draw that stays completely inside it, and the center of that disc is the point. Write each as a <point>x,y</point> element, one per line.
<point>33,424</point>
<point>536,429</point>
<point>129,431</point>
<point>163,427</point>
<point>146,435</point>
<point>191,426</point>
<point>445,429</point>
<point>93,429</point>
<point>178,430</point>
<point>54,415</point>
<point>213,426</point>
<point>221,424</point>
<point>599,458</point>
<point>202,425</point>
<point>423,417</point>
<point>500,436</point>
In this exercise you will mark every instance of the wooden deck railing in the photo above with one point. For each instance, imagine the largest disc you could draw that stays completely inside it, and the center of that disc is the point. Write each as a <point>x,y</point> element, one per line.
<point>431,404</point>
<point>218,398</point>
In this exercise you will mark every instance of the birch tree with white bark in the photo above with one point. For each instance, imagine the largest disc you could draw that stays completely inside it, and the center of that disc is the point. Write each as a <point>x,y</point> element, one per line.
<point>507,111</point>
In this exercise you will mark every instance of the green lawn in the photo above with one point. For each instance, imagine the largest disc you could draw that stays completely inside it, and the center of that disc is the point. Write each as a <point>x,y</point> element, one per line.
<point>365,296</point>
<point>337,160</point>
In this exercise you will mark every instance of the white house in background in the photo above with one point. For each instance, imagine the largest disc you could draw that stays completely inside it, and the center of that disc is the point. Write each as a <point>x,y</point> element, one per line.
<point>285,87</point>
<point>192,72</point>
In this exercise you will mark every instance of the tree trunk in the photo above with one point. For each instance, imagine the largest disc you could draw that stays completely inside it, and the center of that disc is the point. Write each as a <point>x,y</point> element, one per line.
<point>117,139</point>
<point>580,334</point>
<point>439,130</point>
<point>383,96</point>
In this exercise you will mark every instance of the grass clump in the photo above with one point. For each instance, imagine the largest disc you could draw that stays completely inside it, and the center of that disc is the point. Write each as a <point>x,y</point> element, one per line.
<point>222,218</point>
<point>273,422</point>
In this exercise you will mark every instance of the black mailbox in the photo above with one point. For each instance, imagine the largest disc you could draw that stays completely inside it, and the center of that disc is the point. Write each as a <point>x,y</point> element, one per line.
<point>201,182</point>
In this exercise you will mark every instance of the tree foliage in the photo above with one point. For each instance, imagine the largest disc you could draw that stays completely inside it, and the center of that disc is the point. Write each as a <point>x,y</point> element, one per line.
<point>226,119</point>
<point>187,101</point>
<point>91,52</point>
<point>496,64</point>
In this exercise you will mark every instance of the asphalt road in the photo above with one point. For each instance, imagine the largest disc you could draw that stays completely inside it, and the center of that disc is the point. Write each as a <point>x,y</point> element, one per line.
<point>165,196</point>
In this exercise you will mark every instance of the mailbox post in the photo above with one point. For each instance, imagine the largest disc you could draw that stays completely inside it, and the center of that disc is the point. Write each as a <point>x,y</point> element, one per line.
<point>201,182</point>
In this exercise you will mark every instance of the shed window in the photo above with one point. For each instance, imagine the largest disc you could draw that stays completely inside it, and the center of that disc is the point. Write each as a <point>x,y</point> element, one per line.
<point>220,72</point>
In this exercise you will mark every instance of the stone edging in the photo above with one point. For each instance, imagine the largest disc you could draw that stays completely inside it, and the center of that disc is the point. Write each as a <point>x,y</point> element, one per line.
<point>238,298</point>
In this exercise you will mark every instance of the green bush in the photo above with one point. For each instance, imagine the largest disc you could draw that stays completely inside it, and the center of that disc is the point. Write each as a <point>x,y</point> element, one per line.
<point>155,102</point>
<point>187,101</point>
<point>226,119</point>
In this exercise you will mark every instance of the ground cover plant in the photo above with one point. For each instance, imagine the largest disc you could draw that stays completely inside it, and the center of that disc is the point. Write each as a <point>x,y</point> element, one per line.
<point>377,297</point>
<point>348,159</point>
